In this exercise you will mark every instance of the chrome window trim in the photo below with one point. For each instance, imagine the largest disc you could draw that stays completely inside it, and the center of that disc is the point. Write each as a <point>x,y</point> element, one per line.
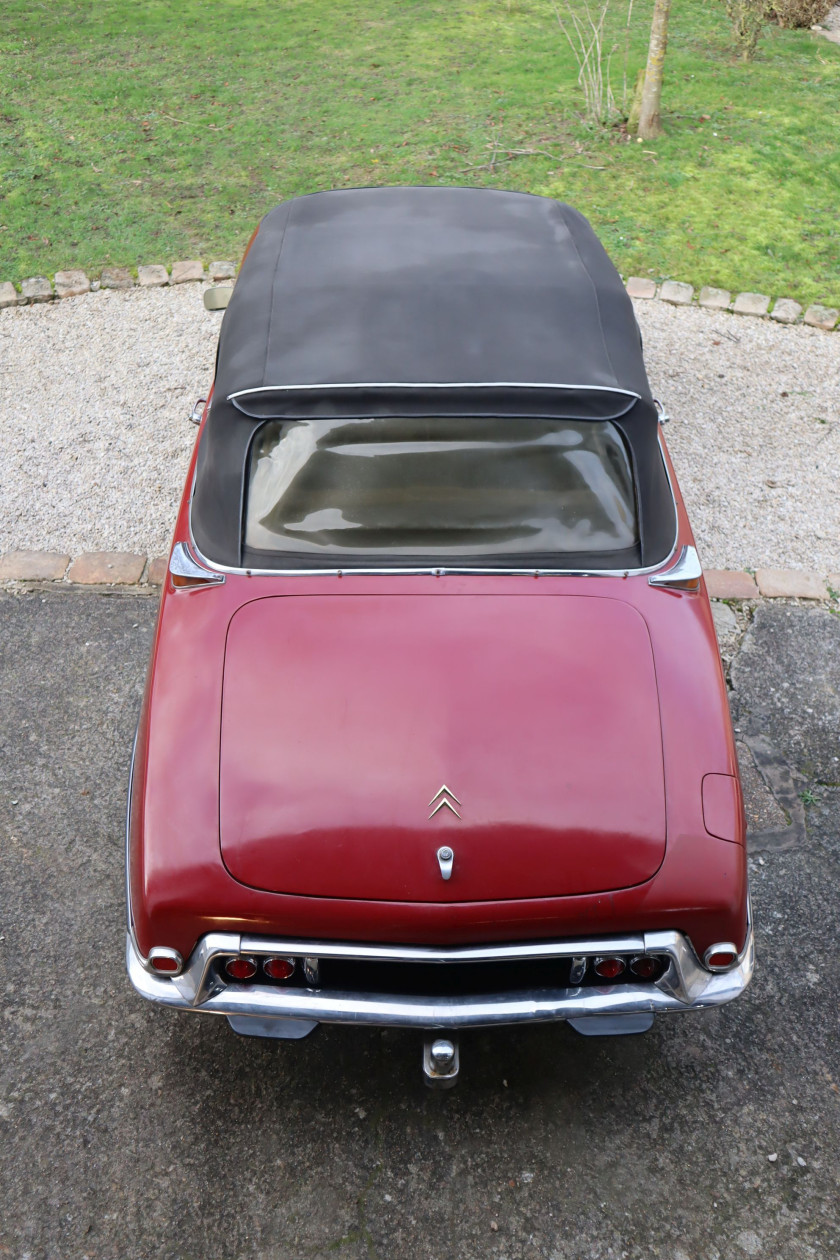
<point>687,569</point>
<point>444,571</point>
<point>183,564</point>
<point>685,985</point>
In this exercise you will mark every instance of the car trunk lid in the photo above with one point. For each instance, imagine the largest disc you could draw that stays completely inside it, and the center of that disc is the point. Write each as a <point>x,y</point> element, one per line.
<point>361,734</point>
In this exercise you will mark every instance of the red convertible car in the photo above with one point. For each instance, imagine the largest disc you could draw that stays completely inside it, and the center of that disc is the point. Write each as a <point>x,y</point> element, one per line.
<point>435,733</point>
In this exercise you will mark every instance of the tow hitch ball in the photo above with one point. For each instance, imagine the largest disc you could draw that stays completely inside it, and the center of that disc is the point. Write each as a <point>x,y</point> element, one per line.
<point>441,1062</point>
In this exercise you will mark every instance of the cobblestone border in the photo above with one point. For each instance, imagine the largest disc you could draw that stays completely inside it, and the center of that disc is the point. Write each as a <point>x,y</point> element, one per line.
<point>92,568</point>
<point>74,283</point>
<point>785,310</point>
<point>126,568</point>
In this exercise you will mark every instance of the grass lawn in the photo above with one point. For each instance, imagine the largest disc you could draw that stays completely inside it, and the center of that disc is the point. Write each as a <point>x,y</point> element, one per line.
<point>146,131</point>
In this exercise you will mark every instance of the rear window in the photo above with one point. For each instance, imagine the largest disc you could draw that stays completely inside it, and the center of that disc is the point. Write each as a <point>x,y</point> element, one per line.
<point>440,487</point>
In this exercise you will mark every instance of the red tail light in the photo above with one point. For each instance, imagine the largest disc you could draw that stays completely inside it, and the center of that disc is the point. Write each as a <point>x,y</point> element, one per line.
<point>279,968</point>
<point>609,968</point>
<point>720,957</point>
<point>241,968</point>
<point>165,965</point>
<point>165,961</point>
<point>644,966</point>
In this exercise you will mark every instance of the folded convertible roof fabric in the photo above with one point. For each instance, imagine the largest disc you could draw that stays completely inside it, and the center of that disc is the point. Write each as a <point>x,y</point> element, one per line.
<point>437,287</point>
<point>423,302</point>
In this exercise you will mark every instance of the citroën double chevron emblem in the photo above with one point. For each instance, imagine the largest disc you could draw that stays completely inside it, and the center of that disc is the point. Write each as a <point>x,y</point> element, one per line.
<point>447,796</point>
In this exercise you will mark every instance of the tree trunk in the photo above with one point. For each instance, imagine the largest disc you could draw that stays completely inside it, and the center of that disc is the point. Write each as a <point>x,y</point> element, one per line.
<point>650,125</point>
<point>636,104</point>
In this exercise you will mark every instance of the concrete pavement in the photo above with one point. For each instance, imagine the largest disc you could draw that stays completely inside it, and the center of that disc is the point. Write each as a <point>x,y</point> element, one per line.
<point>128,1131</point>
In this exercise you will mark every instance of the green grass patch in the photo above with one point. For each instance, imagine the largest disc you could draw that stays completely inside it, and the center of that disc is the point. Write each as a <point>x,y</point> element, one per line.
<point>146,131</point>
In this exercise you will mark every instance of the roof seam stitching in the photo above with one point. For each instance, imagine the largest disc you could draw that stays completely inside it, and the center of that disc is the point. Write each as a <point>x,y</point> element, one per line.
<point>592,285</point>
<point>273,283</point>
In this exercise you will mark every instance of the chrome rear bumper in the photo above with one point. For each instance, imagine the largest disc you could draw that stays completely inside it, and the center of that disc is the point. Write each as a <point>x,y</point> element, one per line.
<point>685,985</point>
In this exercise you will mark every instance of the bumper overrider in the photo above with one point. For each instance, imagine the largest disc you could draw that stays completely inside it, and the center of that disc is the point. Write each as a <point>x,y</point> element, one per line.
<point>685,984</point>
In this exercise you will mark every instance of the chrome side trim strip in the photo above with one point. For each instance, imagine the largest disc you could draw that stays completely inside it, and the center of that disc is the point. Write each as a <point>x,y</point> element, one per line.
<point>128,915</point>
<point>685,985</point>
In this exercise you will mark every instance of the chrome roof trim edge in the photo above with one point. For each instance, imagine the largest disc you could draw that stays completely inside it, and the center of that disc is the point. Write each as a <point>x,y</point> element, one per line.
<point>326,385</point>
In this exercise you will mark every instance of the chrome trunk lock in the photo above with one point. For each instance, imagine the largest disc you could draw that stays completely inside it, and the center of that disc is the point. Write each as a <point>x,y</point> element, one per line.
<point>441,1062</point>
<point>445,858</point>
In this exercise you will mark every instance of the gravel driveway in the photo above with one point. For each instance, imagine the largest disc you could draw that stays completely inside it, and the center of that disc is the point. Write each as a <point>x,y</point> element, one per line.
<point>94,438</point>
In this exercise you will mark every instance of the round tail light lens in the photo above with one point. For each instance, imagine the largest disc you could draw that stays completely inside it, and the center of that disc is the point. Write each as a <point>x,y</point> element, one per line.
<point>279,968</point>
<point>241,968</point>
<point>609,968</point>
<point>644,966</point>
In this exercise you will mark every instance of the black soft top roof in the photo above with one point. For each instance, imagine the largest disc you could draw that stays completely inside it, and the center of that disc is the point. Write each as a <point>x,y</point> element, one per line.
<point>430,301</point>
